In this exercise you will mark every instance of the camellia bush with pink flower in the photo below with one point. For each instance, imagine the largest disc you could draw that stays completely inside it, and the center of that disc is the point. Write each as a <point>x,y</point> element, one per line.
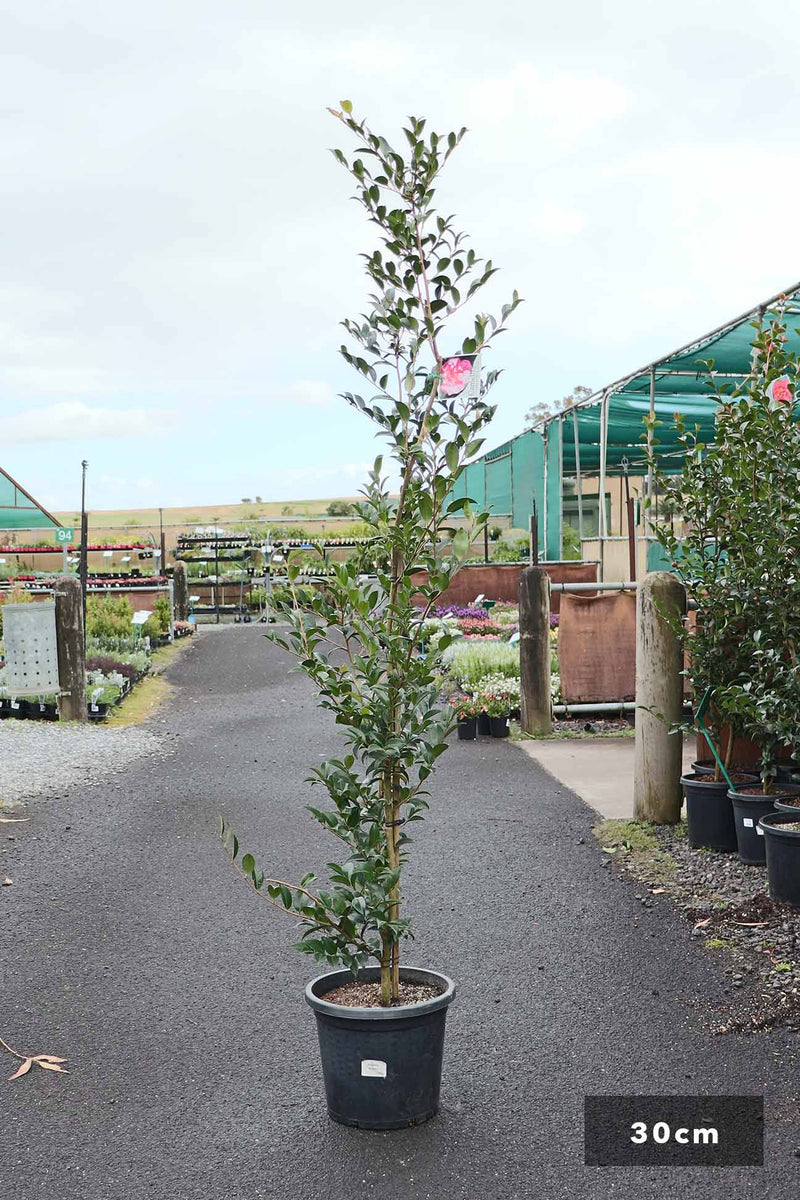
<point>738,555</point>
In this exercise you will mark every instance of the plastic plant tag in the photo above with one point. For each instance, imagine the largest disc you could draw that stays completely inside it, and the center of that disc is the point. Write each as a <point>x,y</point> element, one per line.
<point>747,822</point>
<point>759,831</point>
<point>373,1067</point>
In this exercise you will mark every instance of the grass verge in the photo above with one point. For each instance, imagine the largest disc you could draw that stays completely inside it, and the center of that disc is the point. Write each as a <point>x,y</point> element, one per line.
<point>152,691</point>
<point>635,843</point>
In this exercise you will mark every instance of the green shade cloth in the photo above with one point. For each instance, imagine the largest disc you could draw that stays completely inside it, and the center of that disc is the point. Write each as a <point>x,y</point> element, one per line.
<point>19,510</point>
<point>506,479</point>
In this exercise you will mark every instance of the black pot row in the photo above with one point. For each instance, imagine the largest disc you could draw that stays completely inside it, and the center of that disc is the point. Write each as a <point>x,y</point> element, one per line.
<point>758,826</point>
<point>470,727</point>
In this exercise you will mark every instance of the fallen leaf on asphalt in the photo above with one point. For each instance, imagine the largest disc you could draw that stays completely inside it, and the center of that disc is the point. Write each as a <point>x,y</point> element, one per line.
<point>657,891</point>
<point>13,820</point>
<point>7,882</point>
<point>702,924</point>
<point>48,1062</point>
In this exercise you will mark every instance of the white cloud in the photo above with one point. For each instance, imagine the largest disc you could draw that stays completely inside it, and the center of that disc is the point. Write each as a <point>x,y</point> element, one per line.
<point>74,419</point>
<point>309,392</point>
<point>560,105</point>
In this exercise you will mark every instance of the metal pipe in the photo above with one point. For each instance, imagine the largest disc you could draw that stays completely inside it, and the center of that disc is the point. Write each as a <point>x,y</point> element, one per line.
<point>593,587</point>
<point>578,477</point>
<point>566,710</point>
<point>602,524</point>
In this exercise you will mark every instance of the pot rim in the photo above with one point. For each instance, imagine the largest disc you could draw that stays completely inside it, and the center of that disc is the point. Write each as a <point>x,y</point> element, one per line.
<point>771,824</point>
<point>740,798</point>
<point>703,781</point>
<point>403,1012</point>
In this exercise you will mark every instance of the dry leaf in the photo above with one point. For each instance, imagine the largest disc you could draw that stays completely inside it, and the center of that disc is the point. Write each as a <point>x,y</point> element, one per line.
<point>702,924</point>
<point>7,882</point>
<point>750,924</point>
<point>47,1058</point>
<point>13,820</point>
<point>46,1066</point>
<point>657,891</point>
<point>23,1070</point>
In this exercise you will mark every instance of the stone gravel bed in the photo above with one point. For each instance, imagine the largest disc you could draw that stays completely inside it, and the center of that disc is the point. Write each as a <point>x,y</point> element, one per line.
<point>728,911</point>
<point>40,760</point>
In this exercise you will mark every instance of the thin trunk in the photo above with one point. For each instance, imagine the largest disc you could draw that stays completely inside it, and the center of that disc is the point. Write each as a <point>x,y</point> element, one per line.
<point>386,970</point>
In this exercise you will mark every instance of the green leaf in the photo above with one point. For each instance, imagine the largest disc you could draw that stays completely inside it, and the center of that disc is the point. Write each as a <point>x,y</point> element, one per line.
<point>347,107</point>
<point>451,457</point>
<point>248,864</point>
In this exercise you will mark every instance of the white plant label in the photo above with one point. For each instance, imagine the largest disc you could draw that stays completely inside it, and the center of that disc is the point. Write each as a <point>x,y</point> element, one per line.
<point>373,1067</point>
<point>747,822</point>
<point>760,832</point>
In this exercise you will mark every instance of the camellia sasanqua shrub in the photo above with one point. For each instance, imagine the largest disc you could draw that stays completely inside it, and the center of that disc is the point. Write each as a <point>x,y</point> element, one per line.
<point>358,639</point>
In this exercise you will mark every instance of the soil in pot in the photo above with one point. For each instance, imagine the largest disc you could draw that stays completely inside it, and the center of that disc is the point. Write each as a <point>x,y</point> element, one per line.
<point>467,730</point>
<point>709,812</point>
<point>382,1066</point>
<point>707,766</point>
<point>368,995</point>
<point>782,843</point>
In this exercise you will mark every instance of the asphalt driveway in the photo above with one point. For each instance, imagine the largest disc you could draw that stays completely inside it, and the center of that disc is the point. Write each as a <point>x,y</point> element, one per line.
<point>129,945</point>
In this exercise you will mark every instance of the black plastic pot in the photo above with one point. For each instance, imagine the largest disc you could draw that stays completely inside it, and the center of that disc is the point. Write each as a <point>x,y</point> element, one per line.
<point>707,766</point>
<point>382,1066</point>
<point>709,813</point>
<point>484,724</point>
<point>498,726</point>
<point>783,856</point>
<point>467,729</point>
<point>747,812</point>
<point>786,768</point>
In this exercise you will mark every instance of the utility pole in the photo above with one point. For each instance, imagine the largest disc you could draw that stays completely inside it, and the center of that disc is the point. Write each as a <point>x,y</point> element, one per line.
<point>83,561</point>
<point>163,563</point>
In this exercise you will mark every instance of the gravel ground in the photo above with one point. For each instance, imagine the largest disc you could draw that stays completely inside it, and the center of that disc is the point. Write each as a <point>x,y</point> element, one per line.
<point>729,911</point>
<point>41,760</point>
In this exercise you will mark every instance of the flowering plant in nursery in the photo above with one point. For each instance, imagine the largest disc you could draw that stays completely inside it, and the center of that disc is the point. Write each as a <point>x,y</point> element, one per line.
<point>739,556</point>
<point>357,639</point>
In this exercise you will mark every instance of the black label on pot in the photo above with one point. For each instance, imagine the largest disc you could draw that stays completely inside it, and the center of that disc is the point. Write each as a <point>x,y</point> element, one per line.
<point>674,1131</point>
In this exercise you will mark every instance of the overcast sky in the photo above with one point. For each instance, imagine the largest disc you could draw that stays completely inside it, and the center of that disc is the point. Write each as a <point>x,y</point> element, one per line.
<point>179,246</point>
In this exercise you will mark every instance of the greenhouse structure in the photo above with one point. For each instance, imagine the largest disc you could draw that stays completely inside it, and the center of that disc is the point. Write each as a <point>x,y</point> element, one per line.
<point>557,471</point>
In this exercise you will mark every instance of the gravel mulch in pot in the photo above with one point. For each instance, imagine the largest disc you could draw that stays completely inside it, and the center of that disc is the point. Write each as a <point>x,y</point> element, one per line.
<point>728,911</point>
<point>368,995</point>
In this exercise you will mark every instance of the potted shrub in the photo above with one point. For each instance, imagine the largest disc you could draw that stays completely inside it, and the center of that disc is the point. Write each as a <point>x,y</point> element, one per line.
<point>467,710</point>
<point>380,1022</point>
<point>737,558</point>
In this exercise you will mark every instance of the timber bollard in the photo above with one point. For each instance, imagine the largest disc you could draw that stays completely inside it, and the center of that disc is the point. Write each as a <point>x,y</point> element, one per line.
<point>536,714</point>
<point>657,793</point>
<point>71,649</point>
<point>181,586</point>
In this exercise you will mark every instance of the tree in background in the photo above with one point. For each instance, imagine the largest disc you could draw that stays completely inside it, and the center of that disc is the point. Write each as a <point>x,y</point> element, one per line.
<point>339,508</point>
<point>543,410</point>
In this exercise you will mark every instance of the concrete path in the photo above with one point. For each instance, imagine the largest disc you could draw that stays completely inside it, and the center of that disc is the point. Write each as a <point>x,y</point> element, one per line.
<point>599,770</point>
<point>128,944</point>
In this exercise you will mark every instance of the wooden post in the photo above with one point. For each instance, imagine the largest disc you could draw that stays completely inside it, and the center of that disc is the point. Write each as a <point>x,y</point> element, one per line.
<point>534,651</point>
<point>659,688</point>
<point>181,585</point>
<point>71,649</point>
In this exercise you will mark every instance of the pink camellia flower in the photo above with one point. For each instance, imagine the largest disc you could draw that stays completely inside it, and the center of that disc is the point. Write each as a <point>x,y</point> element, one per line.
<point>779,390</point>
<point>456,374</point>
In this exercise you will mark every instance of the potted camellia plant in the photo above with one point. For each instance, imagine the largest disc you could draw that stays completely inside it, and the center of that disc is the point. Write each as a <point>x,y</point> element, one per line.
<point>738,559</point>
<point>380,1021</point>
